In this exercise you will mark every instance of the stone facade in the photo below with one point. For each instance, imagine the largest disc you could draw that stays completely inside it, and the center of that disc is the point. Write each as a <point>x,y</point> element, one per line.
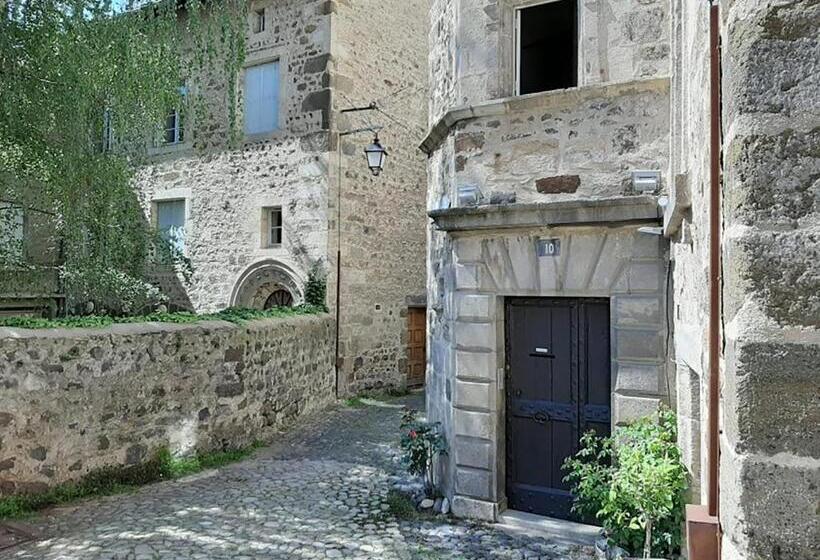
<point>330,57</point>
<point>770,459</point>
<point>553,165</point>
<point>77,400</point>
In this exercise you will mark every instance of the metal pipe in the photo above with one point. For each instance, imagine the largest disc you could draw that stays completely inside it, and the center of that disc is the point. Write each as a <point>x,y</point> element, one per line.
<point>714,263</point>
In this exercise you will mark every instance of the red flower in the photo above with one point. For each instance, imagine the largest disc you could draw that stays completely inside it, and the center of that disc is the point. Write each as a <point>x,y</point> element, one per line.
<point>413,434</point>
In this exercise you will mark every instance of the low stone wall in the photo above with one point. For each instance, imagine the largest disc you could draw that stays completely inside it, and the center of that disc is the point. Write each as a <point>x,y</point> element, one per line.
<point>75,400</point>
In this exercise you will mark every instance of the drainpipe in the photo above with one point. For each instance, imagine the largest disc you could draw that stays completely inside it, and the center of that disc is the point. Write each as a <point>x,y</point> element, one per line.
<point>703,522</point>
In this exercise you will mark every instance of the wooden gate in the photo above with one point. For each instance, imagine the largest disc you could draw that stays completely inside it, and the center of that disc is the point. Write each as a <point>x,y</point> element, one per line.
<point>557,388</point>
<point>416,346</point>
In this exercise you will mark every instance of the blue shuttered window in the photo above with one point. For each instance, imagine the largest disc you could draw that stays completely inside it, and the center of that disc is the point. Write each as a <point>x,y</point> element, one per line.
<point>262,98</point>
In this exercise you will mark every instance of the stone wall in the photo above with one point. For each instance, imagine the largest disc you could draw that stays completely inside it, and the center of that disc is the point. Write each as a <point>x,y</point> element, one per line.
<point>472,46</point>
<point>687,226</point>
<point>76,400</point>
<point>770,445</point>
<point>379,54</point>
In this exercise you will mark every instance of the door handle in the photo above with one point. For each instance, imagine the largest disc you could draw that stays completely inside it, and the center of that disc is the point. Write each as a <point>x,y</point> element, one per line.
<point>541,417</point>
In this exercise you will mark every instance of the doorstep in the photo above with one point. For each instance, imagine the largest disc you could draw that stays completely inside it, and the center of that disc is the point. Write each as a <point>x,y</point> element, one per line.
<point>559,531</point>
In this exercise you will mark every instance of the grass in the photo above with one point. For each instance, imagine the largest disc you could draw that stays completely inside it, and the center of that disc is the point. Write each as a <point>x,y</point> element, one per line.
<point>233,315</point>
<point>109,481</point>
<point>401,506</point>
<point>354,402</point>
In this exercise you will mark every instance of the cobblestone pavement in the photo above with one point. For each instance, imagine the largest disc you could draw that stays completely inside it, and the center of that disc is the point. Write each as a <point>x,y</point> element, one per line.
<point>320,491</point>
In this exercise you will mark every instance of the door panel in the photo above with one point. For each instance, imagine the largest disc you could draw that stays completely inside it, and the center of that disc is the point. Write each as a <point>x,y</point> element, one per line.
<point>557,387</point>
<point>416,346</point>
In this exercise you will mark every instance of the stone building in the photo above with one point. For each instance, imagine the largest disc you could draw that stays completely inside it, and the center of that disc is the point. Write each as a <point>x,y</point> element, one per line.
<point>254,220</point>
<point>569,172</point>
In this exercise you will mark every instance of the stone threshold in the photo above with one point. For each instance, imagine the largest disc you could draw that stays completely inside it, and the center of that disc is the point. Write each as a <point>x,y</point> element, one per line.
<point>559,531</point>
<point>603,211</point>
<point>542,100</point>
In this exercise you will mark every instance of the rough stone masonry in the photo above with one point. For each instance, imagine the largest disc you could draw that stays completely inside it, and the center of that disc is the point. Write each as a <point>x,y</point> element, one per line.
<point>76,400</point>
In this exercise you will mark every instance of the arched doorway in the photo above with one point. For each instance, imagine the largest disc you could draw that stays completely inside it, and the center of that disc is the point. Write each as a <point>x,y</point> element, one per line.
<point>265,285</point>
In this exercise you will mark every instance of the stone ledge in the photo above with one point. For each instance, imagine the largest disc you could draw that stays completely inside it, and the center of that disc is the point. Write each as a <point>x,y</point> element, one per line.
<point>624,209</point>
<point>548,99</point>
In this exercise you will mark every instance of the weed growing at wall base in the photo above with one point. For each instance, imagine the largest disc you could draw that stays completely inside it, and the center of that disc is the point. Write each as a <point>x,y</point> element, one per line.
<point>119,479</point>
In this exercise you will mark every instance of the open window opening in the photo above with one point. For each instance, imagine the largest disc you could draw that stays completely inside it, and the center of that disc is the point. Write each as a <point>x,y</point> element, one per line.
<point>547,52</point>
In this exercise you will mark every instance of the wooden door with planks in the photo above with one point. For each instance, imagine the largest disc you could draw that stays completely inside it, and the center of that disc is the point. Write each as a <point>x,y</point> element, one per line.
<point>416,346</point>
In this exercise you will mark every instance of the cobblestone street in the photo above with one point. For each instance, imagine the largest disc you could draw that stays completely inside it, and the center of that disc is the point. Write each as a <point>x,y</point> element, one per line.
<point>320,491</point>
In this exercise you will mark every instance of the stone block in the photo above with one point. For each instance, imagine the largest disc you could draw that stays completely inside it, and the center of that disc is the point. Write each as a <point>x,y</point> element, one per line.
<point>473,424</point>
<point>558,184</point>
<point>470,394</point>
<point>644,277</point>
<point>475,335</point>
<point>769,505</point>
<point>582,255</point>
<point>475,483</point>
<point>475,306</point>
<point>638,311</point>
<point>475,453</point>
<point>467,277</point>
<point>771,397</point>
<point>628,408</point>
<point>637,344</point>
<point>470,508</point>
<point>639,377</point>
<point>468,249</point>
<point>476,365</point>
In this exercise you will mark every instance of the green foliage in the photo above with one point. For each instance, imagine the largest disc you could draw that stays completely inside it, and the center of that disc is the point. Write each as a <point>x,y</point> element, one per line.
<point>421,442</point>
<point>235,315</point>
<point>118,479</point>
<point>316,287</point>
<point>401,506</point>
<point>354,402</point>
<point>634,483</point>
<point>84,91</point>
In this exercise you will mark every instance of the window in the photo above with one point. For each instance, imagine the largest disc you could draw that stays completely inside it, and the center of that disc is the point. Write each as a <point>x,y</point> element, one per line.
<point>173,132</point>
<point>547,53</point>
<point>272,226</point>
<point>262,98</point>
<point>12,227</point>
<point>107,132</point>
<point>259,21</point>
<point>171,222</point>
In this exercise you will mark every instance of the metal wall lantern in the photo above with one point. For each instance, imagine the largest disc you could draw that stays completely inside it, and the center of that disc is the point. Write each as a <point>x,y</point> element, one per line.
<point>376,156</point>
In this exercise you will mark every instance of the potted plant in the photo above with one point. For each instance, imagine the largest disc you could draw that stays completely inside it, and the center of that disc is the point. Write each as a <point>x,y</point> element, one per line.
<point>633,483</point>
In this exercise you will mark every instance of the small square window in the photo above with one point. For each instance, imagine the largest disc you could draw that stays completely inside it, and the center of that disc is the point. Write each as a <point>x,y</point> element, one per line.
<point>259,21</point>
<point>273,226</point>
<point>547,50</point>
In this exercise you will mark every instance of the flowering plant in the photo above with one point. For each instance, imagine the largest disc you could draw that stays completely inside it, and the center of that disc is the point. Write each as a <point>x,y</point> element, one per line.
<point>421,442</point>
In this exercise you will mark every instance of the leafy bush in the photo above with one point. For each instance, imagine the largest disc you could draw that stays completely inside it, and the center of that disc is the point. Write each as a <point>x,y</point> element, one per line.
<point>634,483</point>
<point>316,287</point>
<point>421,442</point>
<point>232,315</point>
<point>109,291</point>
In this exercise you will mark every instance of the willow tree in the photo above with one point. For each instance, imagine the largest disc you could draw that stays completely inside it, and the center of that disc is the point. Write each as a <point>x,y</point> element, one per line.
<point>85,88</point>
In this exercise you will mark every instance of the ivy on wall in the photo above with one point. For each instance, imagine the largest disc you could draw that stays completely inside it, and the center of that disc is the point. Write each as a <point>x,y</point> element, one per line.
<point>84,93</point>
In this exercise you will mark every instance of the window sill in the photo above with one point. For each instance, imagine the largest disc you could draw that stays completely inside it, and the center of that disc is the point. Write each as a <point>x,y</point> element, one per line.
<point>264,137</point>
<point>170,149</point>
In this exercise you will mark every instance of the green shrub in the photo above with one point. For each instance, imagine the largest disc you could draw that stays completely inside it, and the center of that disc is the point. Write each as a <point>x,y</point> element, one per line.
<point>634,483</point>
<point>316,287</point>
<point>421,442</point>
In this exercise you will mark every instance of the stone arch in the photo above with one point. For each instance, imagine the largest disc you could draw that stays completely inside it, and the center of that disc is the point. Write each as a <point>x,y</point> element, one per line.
<point>259,282</point>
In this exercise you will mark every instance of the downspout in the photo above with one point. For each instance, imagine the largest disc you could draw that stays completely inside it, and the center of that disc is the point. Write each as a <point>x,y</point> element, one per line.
<point>714,262</point>
<point>702,522</point>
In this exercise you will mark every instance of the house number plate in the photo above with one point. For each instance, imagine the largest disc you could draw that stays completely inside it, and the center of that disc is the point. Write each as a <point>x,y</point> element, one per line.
<point>549,247</point>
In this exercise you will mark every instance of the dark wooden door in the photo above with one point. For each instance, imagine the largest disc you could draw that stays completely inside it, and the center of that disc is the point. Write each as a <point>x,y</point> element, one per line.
<point>557,388</point>
<point>416,346</point>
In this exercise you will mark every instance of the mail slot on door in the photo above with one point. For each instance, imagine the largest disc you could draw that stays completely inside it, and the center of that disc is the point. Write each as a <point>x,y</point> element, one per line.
<point>541,352</point>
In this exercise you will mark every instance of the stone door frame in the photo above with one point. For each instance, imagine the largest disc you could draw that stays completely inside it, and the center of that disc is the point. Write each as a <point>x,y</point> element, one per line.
<point>611,260</point>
